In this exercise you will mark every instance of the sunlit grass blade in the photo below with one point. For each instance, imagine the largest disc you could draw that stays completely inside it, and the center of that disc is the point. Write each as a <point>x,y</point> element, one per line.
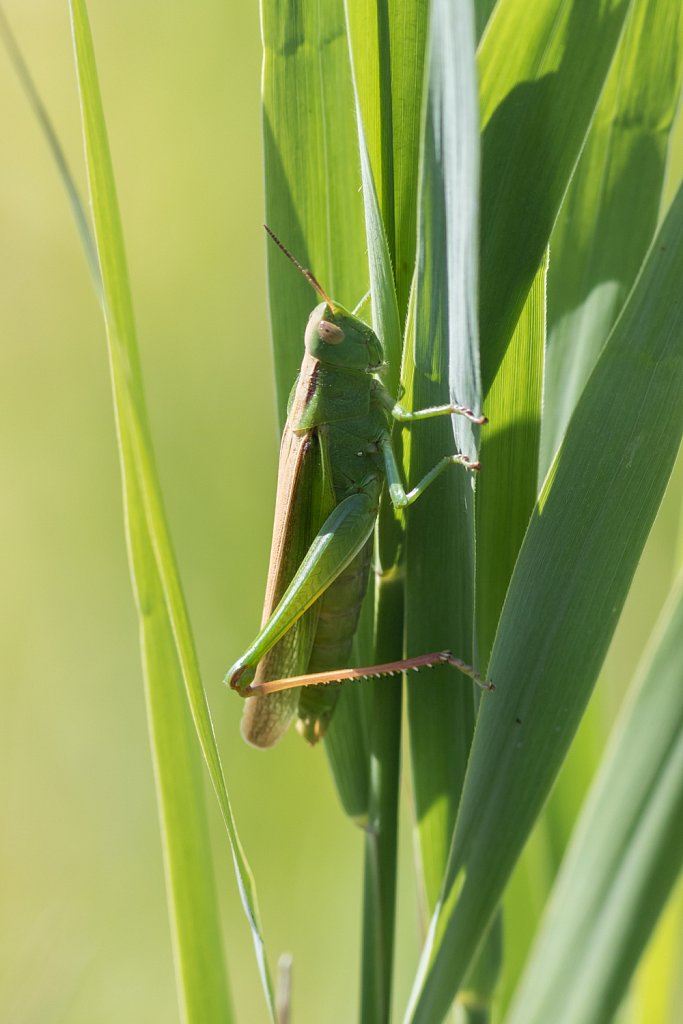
<point>537,100</point>
<point>612,207</point>
<point>625,854</point>
<point>442,350</point>
<point>192,894</point>
<point>569,584</point>
<point>167,640</point>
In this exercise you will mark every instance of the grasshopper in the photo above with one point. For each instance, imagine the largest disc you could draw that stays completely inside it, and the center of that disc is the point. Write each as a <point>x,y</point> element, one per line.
<point>335,457</point>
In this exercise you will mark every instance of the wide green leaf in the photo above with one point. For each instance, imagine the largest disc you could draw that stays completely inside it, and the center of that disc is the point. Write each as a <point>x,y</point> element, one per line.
<point>625,855</point>
<point>569,585</point>
<point>175,696</point>
<point>538,94</point>
<point>611,211</point>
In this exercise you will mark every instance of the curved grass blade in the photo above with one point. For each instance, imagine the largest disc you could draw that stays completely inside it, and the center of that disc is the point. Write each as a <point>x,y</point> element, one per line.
<point>167,639</point>
<point>537,101</point>
<point>625,854</point>
<point>569,584</point>
<point>58,155</point>
<point>612,207</point>
<point>201,980</point>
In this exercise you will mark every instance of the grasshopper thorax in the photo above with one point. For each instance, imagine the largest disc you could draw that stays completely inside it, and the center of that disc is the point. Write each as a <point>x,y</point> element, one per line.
<point>338,338</point>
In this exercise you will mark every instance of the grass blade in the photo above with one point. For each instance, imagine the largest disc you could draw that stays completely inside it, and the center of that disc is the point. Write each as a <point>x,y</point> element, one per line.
<point>610,213</point>
<point>568,587</point>
<point>384,701</point>
<point>192,897</point>
<point>537,101</point>
<point>167,640</point>
<point>58,155</point>
<point>442,346</point>
<point>625,854</point>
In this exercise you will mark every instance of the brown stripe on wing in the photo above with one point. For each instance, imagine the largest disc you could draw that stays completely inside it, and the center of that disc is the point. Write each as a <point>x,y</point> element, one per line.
<point>298,516</point>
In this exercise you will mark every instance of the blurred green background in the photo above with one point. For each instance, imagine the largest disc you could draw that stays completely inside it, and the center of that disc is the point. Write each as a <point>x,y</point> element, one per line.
<point>84,934</point>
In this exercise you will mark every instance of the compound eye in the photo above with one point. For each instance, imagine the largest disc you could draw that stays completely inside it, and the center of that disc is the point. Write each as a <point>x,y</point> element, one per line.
<point>330,333</point>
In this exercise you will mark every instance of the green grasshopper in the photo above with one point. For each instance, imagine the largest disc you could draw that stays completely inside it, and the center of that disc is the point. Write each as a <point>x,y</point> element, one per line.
<point>335,457</point>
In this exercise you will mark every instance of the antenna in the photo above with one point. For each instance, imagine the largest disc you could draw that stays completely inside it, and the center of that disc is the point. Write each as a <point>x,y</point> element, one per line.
<point>310,277</point>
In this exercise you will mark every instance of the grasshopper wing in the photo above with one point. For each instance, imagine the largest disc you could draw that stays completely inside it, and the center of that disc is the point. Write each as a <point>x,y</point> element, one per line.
<point>304,498</point>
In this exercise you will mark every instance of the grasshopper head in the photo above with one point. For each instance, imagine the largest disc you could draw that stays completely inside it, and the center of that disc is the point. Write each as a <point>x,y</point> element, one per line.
<point>338,338</point>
